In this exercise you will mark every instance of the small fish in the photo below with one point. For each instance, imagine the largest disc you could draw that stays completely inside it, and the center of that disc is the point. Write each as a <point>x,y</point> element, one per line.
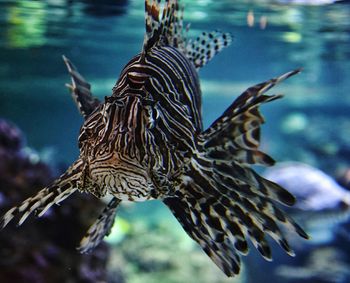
<point>146,141</point>
<point>322,204</point>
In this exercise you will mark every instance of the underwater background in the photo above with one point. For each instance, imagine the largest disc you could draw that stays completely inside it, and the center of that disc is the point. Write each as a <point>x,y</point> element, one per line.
<point>310,125</point>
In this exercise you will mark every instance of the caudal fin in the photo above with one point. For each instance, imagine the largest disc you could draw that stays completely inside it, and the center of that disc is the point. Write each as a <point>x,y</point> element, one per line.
<point>221,201</point>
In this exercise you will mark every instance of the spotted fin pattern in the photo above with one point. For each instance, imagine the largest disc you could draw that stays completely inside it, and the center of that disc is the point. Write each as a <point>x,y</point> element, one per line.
<point>201,50</point>
<point>81,90</point>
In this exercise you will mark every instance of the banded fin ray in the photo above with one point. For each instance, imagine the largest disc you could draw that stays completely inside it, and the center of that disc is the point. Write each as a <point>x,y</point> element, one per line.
<point>222,202</point>
<point>100,228</point>
<point>62,188</point>
<point>237,131</point>
<point>221,252</point>
<point>81,90</point>
<point>167,30</point>
<point>220,207</point>
<point>147,142</point>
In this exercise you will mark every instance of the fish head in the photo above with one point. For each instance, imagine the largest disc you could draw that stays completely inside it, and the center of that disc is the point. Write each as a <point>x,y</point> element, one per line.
<point>93,149</point>
<point>91,135</point>
<point>109,144</point>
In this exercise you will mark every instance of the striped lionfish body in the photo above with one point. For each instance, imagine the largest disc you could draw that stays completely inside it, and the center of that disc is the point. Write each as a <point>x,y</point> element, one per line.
<point>146,141</point>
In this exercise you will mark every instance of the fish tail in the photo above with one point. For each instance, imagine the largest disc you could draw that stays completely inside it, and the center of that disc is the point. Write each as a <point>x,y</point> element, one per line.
<point>62,188</point>
<point>221,201</point>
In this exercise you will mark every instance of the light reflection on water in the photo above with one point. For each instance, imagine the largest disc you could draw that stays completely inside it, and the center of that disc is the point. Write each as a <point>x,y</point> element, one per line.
<point>101,38</point>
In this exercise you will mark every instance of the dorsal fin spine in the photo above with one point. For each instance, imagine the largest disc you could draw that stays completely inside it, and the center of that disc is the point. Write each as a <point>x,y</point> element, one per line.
<point>167,30</point>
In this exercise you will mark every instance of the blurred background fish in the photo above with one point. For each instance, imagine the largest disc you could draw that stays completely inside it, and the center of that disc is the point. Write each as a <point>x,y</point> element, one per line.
<point>322,204</point>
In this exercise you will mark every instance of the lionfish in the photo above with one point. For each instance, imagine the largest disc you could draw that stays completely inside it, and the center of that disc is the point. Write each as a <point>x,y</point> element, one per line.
<point>146,141</point>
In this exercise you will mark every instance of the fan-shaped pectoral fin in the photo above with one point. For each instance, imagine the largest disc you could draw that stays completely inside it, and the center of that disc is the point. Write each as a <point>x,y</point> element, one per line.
<point>100,228</point>
<point>59,190</point>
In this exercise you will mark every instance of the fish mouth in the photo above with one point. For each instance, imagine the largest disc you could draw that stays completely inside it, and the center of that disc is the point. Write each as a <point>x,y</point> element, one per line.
<point>88,182</point>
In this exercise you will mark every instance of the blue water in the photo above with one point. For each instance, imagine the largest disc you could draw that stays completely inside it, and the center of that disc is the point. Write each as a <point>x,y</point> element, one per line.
<point>311,124</point>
